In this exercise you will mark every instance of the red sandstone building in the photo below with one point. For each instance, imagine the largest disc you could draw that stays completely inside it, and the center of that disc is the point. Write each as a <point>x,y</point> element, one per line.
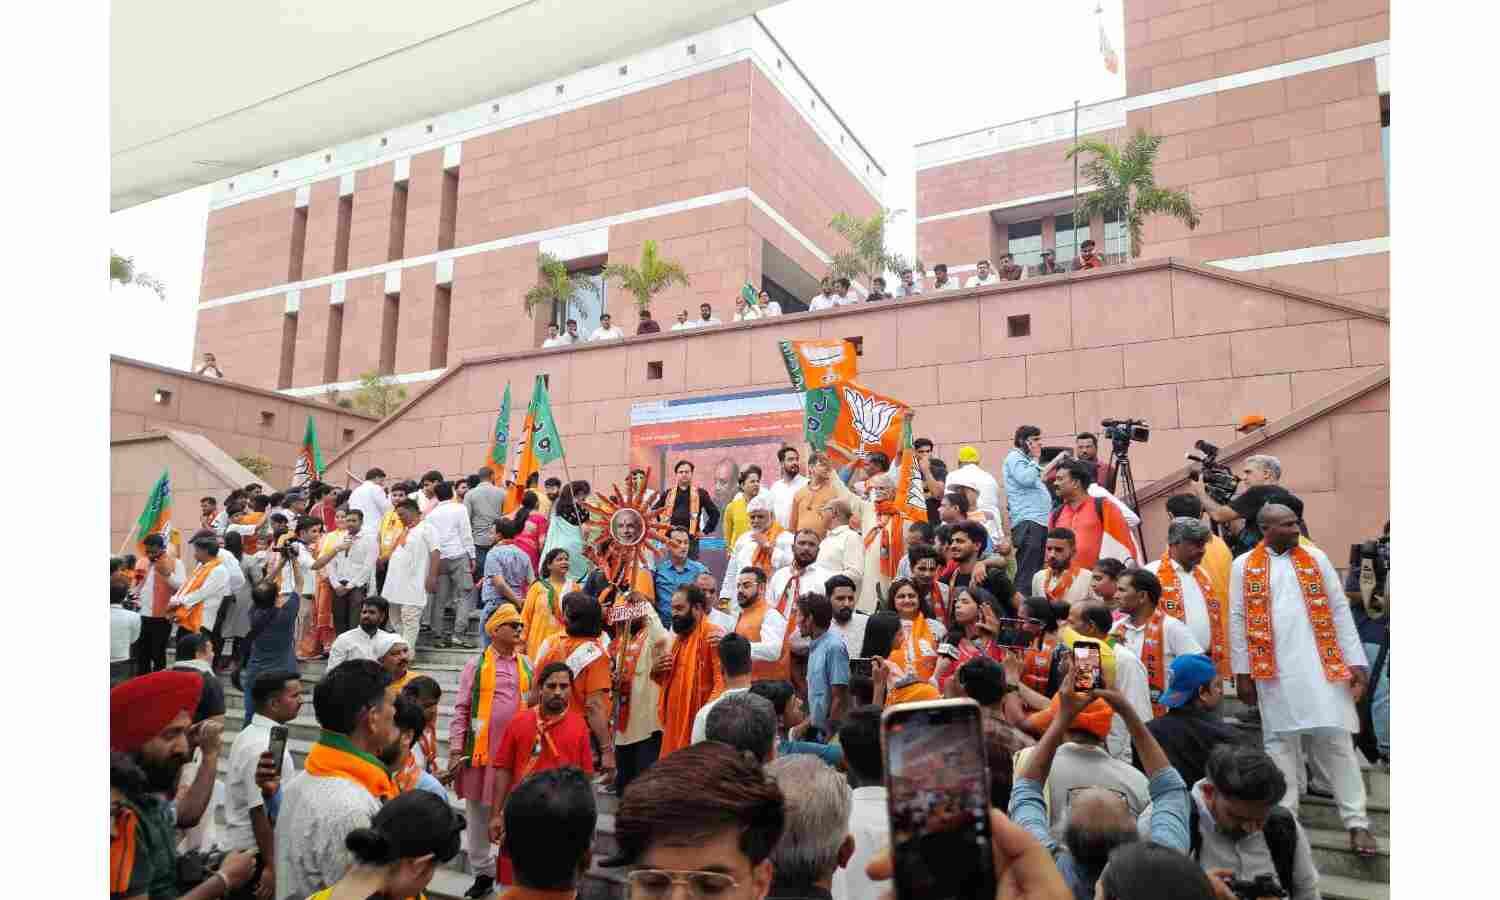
<point>407,251</point>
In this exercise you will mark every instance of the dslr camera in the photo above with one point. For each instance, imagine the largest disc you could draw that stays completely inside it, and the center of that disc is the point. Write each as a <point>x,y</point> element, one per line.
<point>1260,886</point>
<point>1122,431</point>
<point>1219,482</point>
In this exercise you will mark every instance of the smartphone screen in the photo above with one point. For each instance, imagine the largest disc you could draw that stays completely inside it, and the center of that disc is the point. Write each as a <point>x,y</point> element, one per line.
<point>1014,633</point>
<point>1090,674</point>
<point>938,784</point>
<point>861,667</point>
<point>277,747</point>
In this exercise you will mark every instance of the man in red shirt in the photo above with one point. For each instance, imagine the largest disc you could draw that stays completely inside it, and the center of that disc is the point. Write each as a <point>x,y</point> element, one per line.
<point>538,738</point>
<point>1096,522</point>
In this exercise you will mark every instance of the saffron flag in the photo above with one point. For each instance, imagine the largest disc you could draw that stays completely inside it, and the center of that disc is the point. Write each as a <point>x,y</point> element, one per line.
<point>818,364</point>
<point>848,421</point>
<point>1111,60</point>
<point>309,458</point>
<point>541,442</point>
<point>911,488</point>
<point>156,518</point>
<point>500,447</point>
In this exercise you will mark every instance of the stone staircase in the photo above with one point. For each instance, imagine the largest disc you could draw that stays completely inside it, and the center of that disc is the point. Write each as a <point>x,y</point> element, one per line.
<point>1344,875</point>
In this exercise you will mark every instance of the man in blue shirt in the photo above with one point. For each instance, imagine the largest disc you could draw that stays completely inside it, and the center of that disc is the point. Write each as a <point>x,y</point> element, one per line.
<point>1098,819</point>
<point>675,572</point>
<point>1028,501</point>
<point>827,663</point>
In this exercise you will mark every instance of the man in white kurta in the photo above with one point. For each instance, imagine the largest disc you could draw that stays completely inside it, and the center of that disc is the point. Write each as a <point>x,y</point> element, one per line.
<point>766,637</point>
<point>801,577</point>
<point>1299,706</point>
<point>843,549</point>
<point>1054,579</point>
<point>761,510</point>
<point>1186,551</point>
<point>411,572</point>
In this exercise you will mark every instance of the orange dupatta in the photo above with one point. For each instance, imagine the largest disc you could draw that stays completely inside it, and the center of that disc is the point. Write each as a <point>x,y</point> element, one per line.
<point>1039,665</point>
<point>762,558</point>
<point>671,505</point>
<point>334,756</point>
<point>191,617</point>
<point>1056,589</point>
<point>696,678</point>
<point>908,652</point>
<point>1151,656</point>
<point>890,529</point>
<point>1258,614</point>
<point>122,852</point>
<point>1171,601</point>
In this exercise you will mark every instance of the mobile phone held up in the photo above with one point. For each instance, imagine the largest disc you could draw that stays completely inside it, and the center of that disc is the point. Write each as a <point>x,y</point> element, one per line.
<point>1087,667</point>
<point>277,747</point>
<point>861,667</point>
<point>938,785</point>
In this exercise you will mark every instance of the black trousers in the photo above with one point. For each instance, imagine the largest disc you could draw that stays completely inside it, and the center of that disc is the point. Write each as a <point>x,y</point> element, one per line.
<point>633,759</point>
<point>1030,541</point>
<point>346,609</point>
<point>151,648</point>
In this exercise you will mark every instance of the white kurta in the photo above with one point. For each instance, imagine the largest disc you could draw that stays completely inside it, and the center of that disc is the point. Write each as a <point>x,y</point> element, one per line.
<point>782,493</point>
<point>1177,638</point>
<point>843,553</point>
<point>1194,606</point>
<point>744,555</point>
<point>1300,697</point>
<point>406,573</point>
<point>779,592</point>
<point>1077,592</point>
<point>767,647</point>
<point>1132,681</point>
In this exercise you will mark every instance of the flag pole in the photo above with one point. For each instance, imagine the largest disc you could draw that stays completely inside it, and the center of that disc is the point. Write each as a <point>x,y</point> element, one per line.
<point>128,535</point>
<point>1075,174</point>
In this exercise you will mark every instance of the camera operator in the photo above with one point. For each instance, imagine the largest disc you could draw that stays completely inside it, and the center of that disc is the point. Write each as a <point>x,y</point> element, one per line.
<point>1086,448</point>
<point>1259,483</point>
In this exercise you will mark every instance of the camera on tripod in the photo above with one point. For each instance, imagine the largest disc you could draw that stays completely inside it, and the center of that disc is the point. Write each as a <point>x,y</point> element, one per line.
<point>1219,482</point>
<point>1122,431</point>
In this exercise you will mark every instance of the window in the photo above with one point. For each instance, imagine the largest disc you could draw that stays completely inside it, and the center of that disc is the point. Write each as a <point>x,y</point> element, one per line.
<point>653,370</point>
<point>1018,326</point>
<point>1385,141</point>
<point>1116,242</point>
<point>267,418</point>
<point>299,244</point>
<point>348,436</point>
<point>1026,242</point>
<point>341,235</point>
<point>587,306</point>
<point>1068,238</point>
<point>448,210</point>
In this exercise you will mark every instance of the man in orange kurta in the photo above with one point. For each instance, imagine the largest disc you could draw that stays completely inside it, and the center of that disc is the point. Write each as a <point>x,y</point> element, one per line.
<point>689,675</point>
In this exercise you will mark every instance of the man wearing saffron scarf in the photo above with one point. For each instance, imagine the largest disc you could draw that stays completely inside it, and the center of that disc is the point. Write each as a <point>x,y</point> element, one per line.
<point>149,722</point>
<point>1187,591</point>
<point>1155,637</point>
<point>883,530</point>
<point>343,782</point>
<point>388,533</point>
<point>766,546</point>
<point>760,623</point>
<point>689,674</point>
<point>582,650</point>
<point>198,600</point>
<point>539,738</point>
<point>1295,648</point>
<point>1061,579</point>
<point>640,640</point>
<point>491,690</point>
<point>1100,530</point>
<point>691,507</point>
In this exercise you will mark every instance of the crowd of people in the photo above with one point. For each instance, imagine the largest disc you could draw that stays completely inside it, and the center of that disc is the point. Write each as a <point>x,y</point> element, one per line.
<point>736,713</point>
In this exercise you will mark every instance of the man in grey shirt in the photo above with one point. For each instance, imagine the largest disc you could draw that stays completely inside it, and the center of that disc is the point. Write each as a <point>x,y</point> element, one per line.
<point>485,503</point>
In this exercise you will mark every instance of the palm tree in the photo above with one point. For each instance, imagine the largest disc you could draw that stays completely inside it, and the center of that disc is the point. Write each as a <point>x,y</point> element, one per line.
<point>648,279</point>
<point>1125,184</point>
<point>122,270</point>
<point>867,255</point>
<point>558,287</point>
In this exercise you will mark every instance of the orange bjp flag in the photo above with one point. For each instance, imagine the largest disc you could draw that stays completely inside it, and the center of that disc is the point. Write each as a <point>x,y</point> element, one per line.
<point>817,364</point>
<point>848,421</point>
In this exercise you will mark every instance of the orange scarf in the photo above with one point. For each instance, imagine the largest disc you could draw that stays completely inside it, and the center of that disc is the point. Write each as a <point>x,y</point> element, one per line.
<point>544,728</point>
<point>1057,588</point>
<point>481,703</point>
<point>890,529</point>
<point>392,534</point>
<point>1039,665</point>
<point>786,604</point>
<point>1151,655</point>
<point>762,558</point>
<point>1171,601</point>
<point>692,507</point>
<point>696,678</point>
<point>122,852</point>
<point>190,618</point>
<point>909,653</point>
<point>627,655</point>
<point>1258,614</point>
<point>335,756</point>
<point>410,773</point>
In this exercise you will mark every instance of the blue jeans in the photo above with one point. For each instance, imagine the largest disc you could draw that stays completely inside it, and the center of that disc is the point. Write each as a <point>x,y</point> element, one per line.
<point>1380,700</point>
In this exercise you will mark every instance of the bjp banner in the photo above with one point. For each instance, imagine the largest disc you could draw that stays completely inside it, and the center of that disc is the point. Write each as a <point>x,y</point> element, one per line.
<point>818,364</point>
<point>910,500</point>
<point>848,420</point>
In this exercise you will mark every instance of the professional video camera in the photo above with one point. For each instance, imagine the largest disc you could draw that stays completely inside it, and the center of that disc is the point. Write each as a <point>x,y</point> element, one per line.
<point>1122,431</point>
<point>1219,481</point>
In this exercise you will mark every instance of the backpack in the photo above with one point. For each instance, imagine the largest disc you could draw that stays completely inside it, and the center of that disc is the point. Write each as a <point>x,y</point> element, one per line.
<point>1281,839</point>
<point>1057,510</point>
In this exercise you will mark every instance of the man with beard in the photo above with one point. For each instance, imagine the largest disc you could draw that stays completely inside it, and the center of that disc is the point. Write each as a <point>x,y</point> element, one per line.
<point>581,648</point>
<point>344,779</point>
<point>690,507</point>
<point>764,545</point>
<point>759,623</point>
<point>359,642</point>
<point>924,561</point>
<point>538,738</point>
<point>1061,580</point>
<point>803,576</point>
<point>784,489</point>
<point>963,550</point>
<point>150,721</point>
<point>689,674</point>
<point>848,622</point>
<point>1099,819</point>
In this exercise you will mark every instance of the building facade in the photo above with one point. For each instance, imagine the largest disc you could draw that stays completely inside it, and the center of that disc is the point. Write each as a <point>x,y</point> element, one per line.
<point>408,251</point>
<point>1274,116</point>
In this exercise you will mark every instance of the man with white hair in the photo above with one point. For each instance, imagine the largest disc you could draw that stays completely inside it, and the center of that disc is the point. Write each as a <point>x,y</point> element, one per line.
<point>842,551</point>
<point>884,533</point>
<point>815,840</point>
<point>1260,483</point>
<point>1187,593</point>
<point>766,546</point>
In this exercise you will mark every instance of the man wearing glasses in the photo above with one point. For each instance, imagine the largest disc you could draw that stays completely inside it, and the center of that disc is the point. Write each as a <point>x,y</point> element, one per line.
<point>705,818</point>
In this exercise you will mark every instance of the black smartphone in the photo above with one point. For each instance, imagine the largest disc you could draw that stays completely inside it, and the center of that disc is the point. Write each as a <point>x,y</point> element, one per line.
<point>938,786</point>
<point>277,747</point>
<point>1087,666</point>
<point>1014,633</point>
<point>861,667</point>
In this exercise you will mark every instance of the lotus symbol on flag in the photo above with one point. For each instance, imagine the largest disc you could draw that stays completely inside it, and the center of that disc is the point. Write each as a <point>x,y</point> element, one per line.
<point>871,417</point>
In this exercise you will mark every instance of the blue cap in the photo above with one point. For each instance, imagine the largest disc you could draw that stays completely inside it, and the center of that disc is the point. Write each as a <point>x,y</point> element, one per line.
<point>1188,675</point>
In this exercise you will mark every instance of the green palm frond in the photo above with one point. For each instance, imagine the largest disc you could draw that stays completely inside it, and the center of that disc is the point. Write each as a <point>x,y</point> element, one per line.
<point>653,275</point>
<point>556,286</point>
<point>122,270</point>
<point>867,255</point>
<point>1124,182</point>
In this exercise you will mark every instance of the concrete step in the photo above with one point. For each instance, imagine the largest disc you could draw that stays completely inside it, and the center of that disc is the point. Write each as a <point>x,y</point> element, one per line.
<point>1337,887</point>
<point>1332,856</point>
<point>1321,812</point>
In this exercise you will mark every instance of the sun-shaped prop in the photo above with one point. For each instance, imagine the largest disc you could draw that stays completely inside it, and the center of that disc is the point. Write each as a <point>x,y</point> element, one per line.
<point>626,531</point>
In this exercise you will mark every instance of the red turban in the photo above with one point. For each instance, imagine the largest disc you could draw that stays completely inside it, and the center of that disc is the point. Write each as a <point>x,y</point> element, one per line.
<point>1095,718</point>
<point>140,708</point>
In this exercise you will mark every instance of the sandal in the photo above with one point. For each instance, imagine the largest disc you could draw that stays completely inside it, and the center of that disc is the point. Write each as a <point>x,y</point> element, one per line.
<point>1363,843</point>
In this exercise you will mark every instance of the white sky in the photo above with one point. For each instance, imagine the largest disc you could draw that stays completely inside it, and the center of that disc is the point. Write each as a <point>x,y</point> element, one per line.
<point>898,73</point>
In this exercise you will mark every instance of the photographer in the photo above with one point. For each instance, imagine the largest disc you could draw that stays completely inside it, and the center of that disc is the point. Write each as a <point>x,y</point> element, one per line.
<point>1260,477</point>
